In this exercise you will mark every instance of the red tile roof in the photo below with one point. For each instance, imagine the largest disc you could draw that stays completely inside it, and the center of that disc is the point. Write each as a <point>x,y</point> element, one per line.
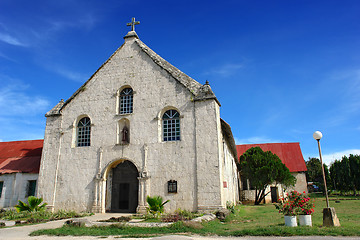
<point>289,153</point>
<point>20,156</point>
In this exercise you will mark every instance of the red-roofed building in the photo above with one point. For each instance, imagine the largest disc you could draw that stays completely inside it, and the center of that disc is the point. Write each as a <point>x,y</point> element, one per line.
<point>19,170</point>
<point>290,154</point>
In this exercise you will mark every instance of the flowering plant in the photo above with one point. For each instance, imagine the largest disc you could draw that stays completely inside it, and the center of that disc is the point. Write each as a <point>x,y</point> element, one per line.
<point>305,205</point>
<point>295,204</point>
<point>286,208</point>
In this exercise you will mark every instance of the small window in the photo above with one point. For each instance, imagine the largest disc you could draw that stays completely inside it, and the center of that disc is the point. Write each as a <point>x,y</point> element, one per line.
<point>171,126</point>
<point>126,101</point>
<point>83,132</point>
<point>172,186</point>
<point>1,187</point>
<point>31,188</point>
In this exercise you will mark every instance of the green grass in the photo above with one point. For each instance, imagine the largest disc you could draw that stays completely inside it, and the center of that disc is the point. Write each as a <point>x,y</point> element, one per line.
<point>116,229</point>
<point>40,215</point>
<point>263,220</point>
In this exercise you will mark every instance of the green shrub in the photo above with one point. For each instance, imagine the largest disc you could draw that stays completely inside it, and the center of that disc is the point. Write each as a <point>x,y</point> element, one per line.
<point>33,206</point>
<point>40,215</point>
<point>156,205</point>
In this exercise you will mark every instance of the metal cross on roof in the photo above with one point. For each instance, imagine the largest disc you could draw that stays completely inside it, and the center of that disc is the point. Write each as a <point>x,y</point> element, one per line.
<point>133,23</point>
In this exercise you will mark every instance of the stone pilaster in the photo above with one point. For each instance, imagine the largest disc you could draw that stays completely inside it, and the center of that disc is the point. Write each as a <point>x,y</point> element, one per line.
<point>143,191</point>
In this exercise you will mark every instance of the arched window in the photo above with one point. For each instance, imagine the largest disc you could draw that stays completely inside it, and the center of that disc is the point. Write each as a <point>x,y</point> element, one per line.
<point>171,125</point>
<point>83,132</point>
<point>126,101</point>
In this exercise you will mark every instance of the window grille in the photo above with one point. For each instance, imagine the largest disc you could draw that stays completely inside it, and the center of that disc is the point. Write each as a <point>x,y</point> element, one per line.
<point>126,101</point>
<point>84,131</point>
<point>31,188</point>
<point>172,186</point>
<point>171,126</point>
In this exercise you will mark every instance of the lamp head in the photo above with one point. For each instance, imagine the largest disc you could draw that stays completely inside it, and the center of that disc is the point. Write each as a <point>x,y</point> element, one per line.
<point>317,135</point>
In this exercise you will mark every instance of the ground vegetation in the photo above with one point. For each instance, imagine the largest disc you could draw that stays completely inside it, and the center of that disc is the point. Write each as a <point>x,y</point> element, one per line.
<point>247,220</point>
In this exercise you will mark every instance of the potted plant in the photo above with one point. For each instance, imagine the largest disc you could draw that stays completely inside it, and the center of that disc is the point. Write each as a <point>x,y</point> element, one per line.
<point>305,209</point>
<point>286,207</point>
<point>296,204</point>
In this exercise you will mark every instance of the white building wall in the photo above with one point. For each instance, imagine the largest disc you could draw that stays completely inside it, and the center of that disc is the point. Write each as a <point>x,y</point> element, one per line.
<point>301,183</point>
<point>229,176</point>
<point>208,147</point>
<point>248,196</point>
<point>7,191</point>
<point>15,188</point>
<point>50,159</point>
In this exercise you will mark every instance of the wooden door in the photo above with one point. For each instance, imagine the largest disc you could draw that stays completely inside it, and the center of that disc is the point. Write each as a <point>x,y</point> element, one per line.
<point>125,188</point>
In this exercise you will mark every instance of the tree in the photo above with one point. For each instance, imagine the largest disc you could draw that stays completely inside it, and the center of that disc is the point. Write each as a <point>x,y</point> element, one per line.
<point>262,169</point>
<point>346,173</point>
<point>314,173</point>
<point>354,161</point>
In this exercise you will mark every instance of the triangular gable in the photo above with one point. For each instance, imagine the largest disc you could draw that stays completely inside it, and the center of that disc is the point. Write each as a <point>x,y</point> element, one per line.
<point>198,90</point>
<point>289,153</point>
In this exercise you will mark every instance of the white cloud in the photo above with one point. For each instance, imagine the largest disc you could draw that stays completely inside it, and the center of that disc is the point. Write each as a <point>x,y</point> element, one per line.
<point>11,40</point>
<point>343,86</point>
<point>255,140</point>
<point>331,157</point>
<point>2,55</point>
<point>225,70</point>
<point>85,22</point>
<point>14,100</point>
<point>72,75</point>
<point>53,27</point>
<point>21,113</point>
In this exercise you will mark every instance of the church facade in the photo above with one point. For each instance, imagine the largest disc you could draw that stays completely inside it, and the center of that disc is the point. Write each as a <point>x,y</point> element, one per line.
<point>138,127</point>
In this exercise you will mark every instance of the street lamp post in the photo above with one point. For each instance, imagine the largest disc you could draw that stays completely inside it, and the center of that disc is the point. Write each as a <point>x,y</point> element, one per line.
<point>329,215</point>
<point>318,135</point>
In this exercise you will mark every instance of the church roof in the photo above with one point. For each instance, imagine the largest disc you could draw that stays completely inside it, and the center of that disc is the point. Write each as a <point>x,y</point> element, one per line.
<point>55,110</point>
<point>200,92</point>
<point>20,156</point>
<point>289,153</point>
<point>227,133</point>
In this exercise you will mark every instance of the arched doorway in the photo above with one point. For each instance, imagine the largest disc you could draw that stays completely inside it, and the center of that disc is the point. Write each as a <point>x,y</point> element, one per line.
<point>125,187</point>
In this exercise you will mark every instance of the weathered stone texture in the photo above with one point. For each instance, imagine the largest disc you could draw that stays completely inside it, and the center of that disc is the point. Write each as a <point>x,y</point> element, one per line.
<point>301,183</point>
<point>79,177</point>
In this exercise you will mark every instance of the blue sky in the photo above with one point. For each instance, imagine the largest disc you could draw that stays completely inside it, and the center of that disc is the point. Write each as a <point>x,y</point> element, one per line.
<point>281,69</point>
